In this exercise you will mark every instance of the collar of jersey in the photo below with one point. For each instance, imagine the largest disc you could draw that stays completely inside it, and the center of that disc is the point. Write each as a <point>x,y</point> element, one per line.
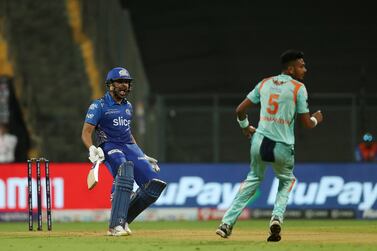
<point>283,78</point>
<point>109,99</point>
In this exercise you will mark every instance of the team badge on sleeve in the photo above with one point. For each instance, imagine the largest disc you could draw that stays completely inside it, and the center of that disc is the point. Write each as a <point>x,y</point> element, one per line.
<point>90,115</point>
<point>93,106</point>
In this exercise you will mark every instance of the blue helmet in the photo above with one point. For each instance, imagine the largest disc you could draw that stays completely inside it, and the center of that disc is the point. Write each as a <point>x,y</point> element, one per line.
<point>117,73</point>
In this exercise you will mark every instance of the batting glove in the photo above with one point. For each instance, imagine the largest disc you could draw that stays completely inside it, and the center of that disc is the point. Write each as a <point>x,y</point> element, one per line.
<point>96,154</point>
<point>153,162</point>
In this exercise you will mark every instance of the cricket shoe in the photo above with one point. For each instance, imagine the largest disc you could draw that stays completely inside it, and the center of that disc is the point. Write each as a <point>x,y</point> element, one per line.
<point>118,231</point>
<point>224,230</point>
<point>275,228</point>
<point>127,229</point>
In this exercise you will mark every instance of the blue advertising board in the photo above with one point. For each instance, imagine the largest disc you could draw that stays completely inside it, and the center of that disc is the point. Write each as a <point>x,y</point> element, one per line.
<point>318,186</point>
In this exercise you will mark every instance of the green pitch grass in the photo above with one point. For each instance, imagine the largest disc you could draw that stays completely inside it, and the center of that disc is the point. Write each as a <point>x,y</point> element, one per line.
<point>303,235</point>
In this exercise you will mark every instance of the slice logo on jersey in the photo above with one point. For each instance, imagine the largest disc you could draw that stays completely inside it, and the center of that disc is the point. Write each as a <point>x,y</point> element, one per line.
<point>128,112</point>
<point>124,73</point>
<point>120,121</point>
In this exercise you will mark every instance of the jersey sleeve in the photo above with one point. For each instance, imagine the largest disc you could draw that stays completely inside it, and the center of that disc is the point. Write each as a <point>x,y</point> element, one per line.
<point>93,115</point>
<point>254,95</point>
<point>302,100</point>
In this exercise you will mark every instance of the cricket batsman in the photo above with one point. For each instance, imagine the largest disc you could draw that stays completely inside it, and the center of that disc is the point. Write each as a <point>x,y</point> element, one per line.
<point>110,117</point>
<point>281,99</point>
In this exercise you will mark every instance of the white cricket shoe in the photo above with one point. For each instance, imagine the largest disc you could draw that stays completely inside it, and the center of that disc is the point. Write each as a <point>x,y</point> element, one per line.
<point>127,229</point>
<point>118,231</point>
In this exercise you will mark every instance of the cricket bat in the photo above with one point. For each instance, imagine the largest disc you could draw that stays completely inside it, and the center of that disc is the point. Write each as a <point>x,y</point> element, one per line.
<point>92,179</point>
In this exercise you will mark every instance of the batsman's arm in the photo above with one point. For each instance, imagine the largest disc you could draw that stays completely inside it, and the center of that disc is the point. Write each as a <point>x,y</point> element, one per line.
<point>151,160</point>
<point>86,134</point>
<point>133,139</point>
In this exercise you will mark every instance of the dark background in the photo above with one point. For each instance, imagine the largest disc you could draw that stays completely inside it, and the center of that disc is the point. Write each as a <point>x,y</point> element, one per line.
<point>228,46</point>
<point>215,51</point>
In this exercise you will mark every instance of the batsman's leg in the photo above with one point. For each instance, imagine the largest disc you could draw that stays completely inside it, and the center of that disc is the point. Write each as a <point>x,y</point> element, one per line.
<point>144,197</point>
<point>124,181</point>
<point>150,186</point>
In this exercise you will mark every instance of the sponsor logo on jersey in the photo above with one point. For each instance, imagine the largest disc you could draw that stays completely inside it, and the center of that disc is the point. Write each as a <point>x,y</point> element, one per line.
<point>276,89</point>
<point>277,120</point>
<point>114,151</point>
<point>120,121</point>
<point>112,111</point>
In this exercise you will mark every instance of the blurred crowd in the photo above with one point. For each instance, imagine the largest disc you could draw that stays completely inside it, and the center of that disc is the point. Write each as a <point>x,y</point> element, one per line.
<point>366,151</point>
<point>8,143</point>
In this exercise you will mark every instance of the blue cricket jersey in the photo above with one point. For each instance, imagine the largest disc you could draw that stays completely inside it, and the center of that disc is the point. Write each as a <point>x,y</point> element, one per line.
<point>112,120</point>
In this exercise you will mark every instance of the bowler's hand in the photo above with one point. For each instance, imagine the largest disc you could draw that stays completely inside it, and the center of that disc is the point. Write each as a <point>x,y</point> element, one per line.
<point>318,115</point>
<point>96,154</point>
<point>153,162</point>
<point>248,131</point>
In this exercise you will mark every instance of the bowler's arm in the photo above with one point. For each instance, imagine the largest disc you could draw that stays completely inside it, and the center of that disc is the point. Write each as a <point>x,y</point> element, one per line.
<point>242,108</point>
<point>308,120</point>
<point>241,112</point>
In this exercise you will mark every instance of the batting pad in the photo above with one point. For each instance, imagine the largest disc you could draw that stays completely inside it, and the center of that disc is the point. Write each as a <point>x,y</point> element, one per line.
<point>123,187</point>
<point>144,197</point>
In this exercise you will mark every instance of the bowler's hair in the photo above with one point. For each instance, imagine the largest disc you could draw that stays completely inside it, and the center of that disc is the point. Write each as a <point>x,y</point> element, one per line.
<point>289,56</point>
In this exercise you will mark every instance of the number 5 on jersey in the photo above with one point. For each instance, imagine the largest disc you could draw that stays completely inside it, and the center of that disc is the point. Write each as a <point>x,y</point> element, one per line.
<point>273,104</point>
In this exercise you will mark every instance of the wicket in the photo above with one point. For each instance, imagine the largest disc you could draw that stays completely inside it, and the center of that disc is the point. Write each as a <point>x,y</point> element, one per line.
<point>39,192</point>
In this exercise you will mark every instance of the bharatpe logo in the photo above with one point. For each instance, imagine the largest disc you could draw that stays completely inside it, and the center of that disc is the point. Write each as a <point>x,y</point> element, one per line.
<point>120,121</point>
<point>353,193</point>
<point>210,194</point>
<point>329,191</point>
